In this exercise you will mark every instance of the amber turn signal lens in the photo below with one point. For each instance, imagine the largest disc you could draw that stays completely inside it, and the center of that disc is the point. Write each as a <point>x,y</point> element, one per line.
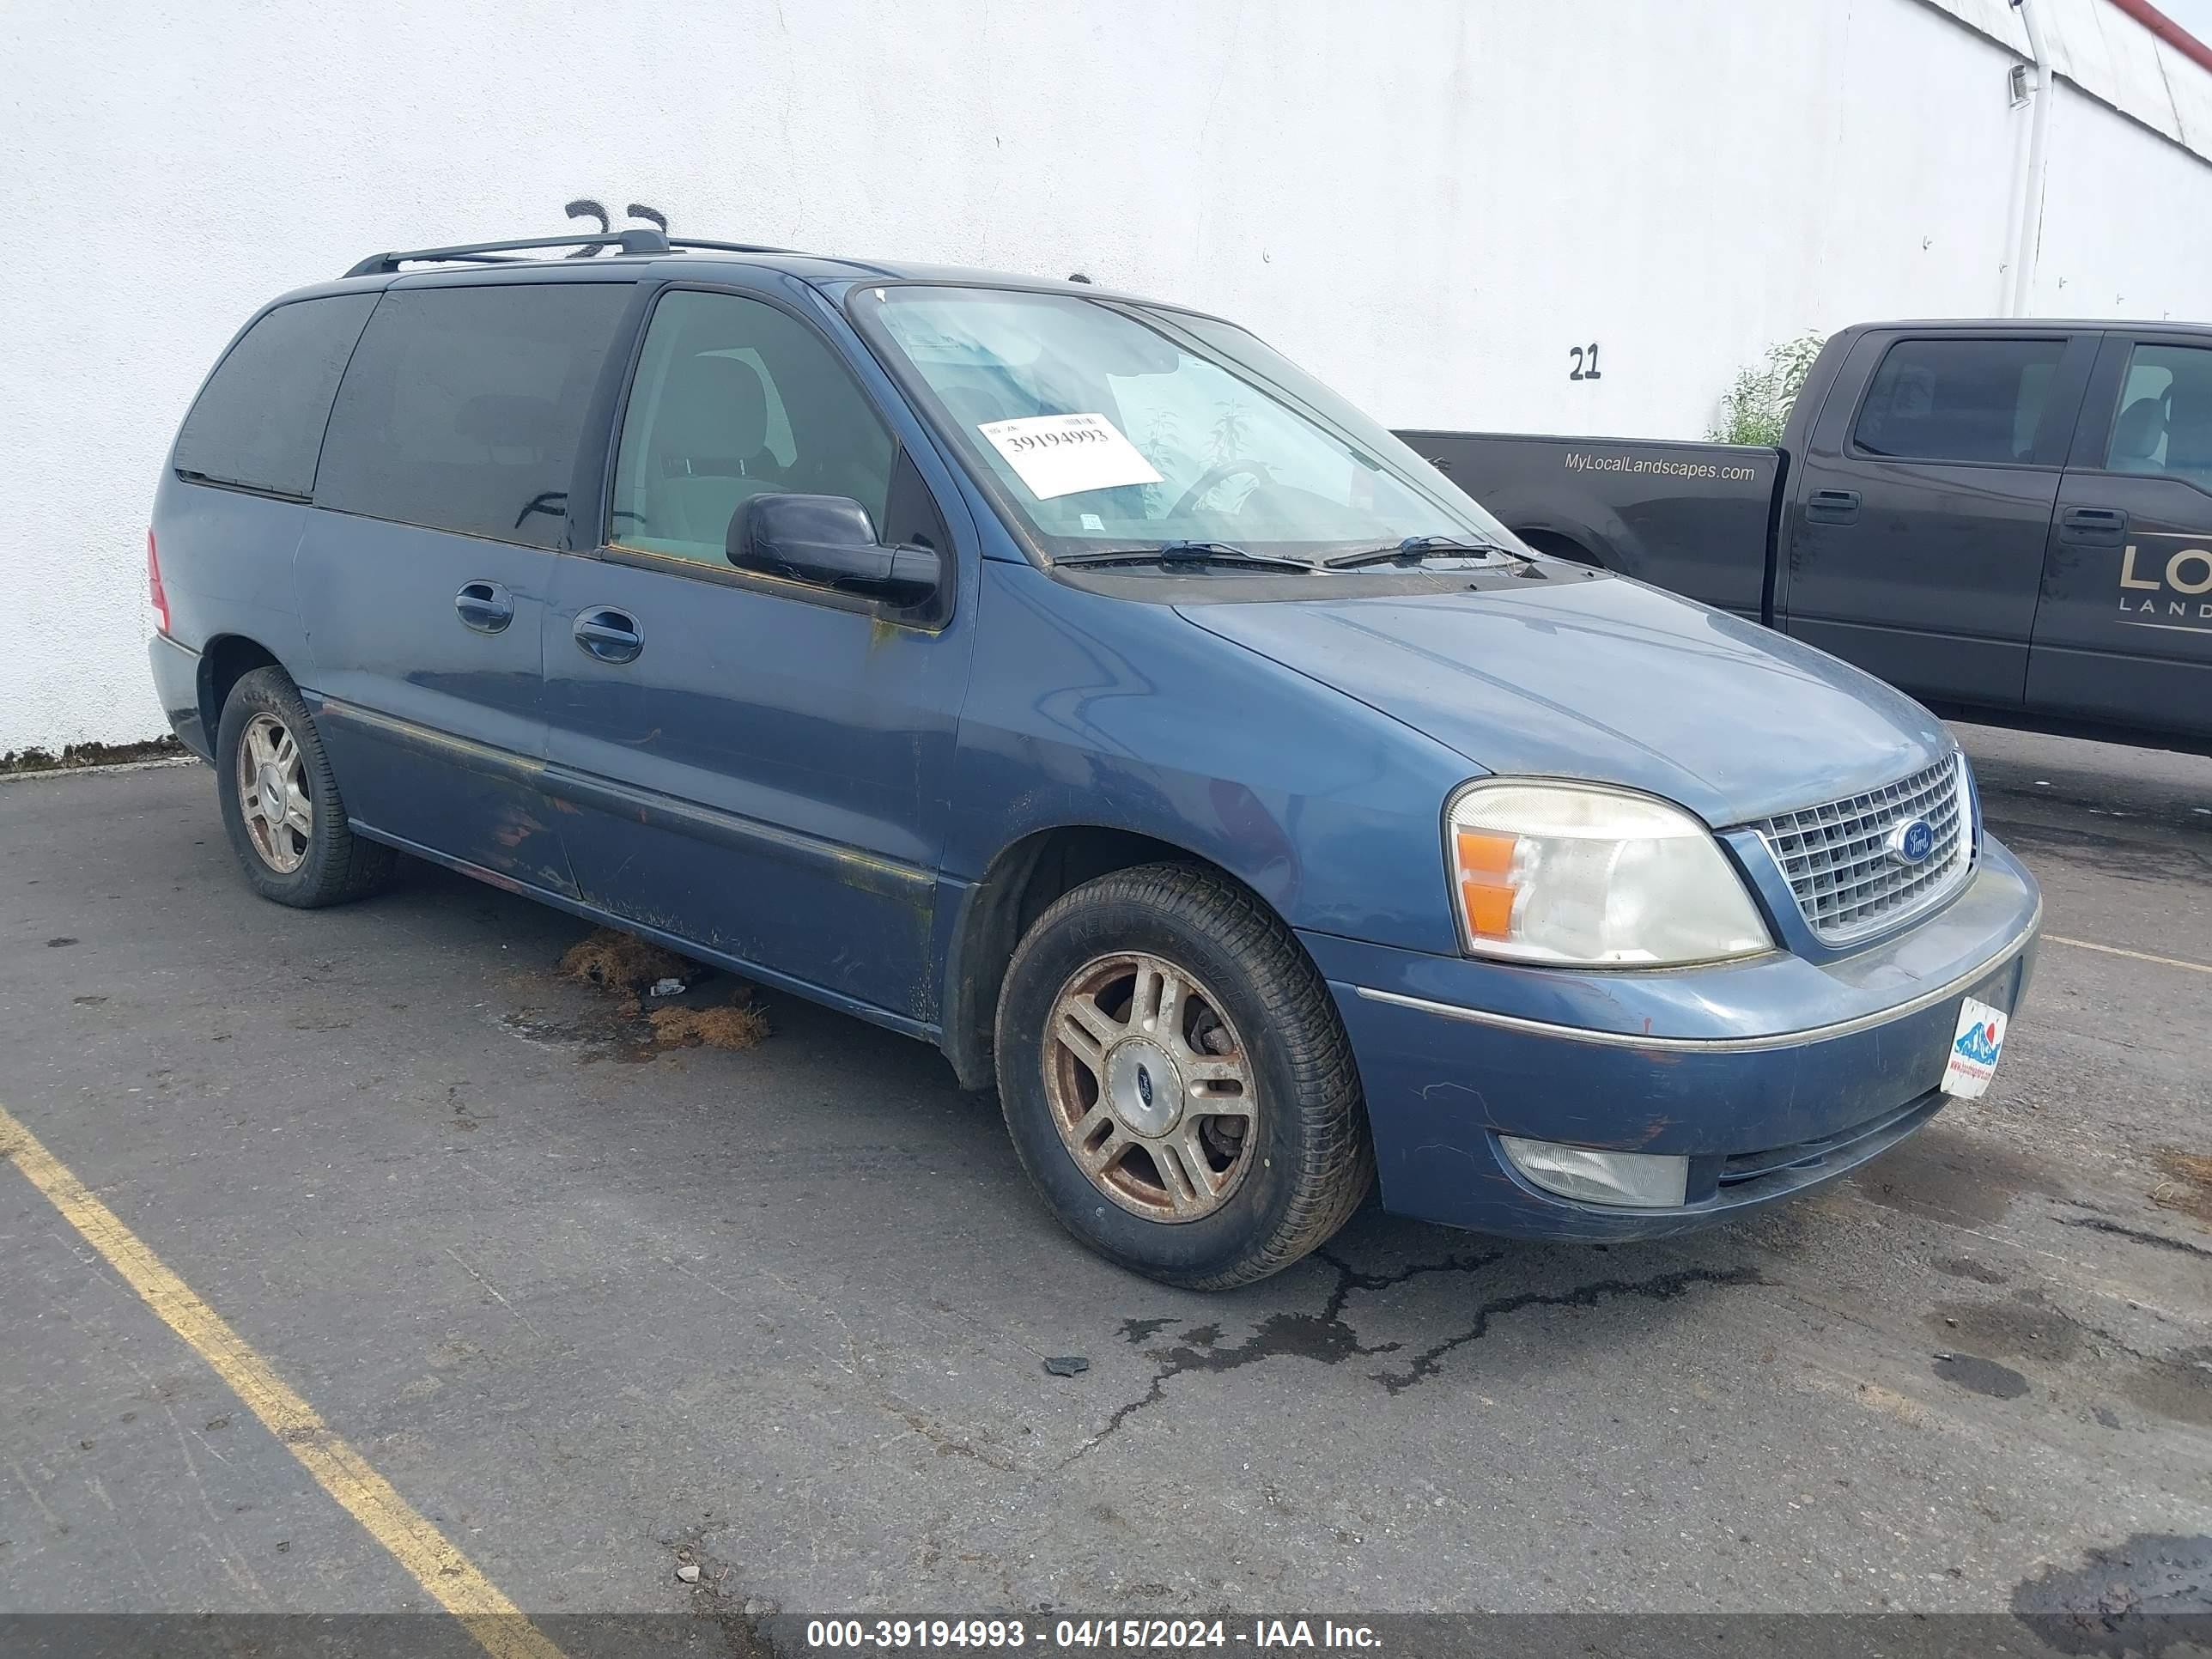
<point>1486,868</point>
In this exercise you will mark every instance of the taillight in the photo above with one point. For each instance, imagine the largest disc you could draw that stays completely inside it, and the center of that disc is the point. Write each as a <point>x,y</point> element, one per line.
<point>161,600</point>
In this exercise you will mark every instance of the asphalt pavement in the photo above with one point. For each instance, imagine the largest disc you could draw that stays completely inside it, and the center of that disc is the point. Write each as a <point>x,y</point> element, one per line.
<point>600,1305</point>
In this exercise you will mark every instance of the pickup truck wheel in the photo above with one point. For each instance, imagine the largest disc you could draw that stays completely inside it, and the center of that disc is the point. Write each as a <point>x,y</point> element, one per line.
<point>281,804</point>
<point>1177,1081</point>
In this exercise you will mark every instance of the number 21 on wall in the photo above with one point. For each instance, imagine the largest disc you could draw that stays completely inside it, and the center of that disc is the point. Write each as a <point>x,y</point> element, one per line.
<point>1585,362</point>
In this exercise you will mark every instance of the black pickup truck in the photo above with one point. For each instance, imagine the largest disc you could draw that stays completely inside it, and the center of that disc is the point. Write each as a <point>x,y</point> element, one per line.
<point>2011,520</point>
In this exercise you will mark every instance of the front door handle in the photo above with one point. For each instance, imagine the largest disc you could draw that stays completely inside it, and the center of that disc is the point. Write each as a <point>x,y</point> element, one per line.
<point>1832,506</point>
<point>486,606</point>
<point>2092,526</point>
<point>609,635</point>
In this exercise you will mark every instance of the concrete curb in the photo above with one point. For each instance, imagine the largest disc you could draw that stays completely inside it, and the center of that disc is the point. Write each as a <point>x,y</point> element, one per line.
<point>49,774</point>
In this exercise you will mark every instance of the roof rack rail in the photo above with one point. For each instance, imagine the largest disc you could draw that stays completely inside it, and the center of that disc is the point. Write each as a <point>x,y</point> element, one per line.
<point>727,247</point>
<point>630,241</point>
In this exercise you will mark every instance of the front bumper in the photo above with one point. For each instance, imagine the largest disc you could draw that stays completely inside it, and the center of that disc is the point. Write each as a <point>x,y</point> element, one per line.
<point>1770,1076</point>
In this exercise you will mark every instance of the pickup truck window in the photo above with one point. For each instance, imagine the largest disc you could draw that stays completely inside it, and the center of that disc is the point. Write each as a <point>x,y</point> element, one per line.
<point>2164,425</point>
<point>1958,400</point>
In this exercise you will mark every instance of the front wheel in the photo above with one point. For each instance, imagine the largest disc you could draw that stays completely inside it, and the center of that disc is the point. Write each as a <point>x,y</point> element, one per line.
<point>1177,1081</point>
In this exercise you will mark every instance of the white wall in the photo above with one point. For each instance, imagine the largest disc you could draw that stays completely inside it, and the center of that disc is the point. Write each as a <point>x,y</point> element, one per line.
<point>1428,202</point>
<point>2126,230</point>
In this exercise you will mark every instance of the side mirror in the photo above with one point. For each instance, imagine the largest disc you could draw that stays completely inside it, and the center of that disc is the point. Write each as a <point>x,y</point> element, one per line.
<point>828,540</point>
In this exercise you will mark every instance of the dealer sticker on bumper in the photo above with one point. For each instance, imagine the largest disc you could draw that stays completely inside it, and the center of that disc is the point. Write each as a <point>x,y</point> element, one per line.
<point>1975,1047</point>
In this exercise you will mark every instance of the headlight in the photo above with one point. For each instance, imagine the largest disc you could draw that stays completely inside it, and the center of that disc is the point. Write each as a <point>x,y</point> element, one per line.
<point>1579,873</point>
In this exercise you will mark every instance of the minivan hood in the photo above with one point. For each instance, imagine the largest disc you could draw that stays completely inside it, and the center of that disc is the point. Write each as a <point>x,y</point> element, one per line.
<point>1607,680</point>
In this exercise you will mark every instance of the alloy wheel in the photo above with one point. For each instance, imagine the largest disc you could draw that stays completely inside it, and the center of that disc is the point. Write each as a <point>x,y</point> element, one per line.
<point>1150,1086</point>
<point>272,793</point>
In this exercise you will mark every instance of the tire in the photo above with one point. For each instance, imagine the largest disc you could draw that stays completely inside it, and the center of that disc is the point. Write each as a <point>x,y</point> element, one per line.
<point>322,863</point>
<point>1249,1048</point>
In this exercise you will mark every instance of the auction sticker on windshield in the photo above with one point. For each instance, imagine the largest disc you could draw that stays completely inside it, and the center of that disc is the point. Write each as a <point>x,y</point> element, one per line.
<point>1066,454</point>
<point>1975,1047</point>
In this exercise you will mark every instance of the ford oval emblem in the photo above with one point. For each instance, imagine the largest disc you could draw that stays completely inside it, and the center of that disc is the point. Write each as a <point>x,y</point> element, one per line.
<point>1911,842</point>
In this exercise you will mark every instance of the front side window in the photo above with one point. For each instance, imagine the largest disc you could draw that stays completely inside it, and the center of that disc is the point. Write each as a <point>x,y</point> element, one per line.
<point>464,406</point>
<point>258,421</point>
<point>1113,425</point>
<point>735,399</point>
<point>1959,400</point>
<point>2164,422</point>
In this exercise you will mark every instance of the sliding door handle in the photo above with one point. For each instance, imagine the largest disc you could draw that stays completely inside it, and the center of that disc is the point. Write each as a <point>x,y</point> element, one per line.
<point>486,607</point>
<point>609,635</point>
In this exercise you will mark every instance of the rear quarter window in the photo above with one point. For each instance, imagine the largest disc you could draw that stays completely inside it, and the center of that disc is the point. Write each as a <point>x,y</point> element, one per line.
<point>464,406</point>
<point>258,421</point>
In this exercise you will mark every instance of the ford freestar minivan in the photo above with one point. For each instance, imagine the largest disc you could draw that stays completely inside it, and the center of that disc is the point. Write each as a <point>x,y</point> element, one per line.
<point>1067,680</point>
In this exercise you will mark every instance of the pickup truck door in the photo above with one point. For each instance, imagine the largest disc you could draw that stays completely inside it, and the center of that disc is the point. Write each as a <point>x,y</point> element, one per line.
<point>1914,538</point>
<point>2124,632</point>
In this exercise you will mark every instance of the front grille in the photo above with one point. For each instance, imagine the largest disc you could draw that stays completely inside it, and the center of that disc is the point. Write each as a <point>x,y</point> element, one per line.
<point>1836,857</point>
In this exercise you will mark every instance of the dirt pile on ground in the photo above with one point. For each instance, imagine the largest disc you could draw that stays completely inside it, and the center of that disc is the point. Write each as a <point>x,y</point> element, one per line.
<point>623,963</point>
<point>2188,1185</point>
<point>734,1025</point>
<point>75,756</point>
<point>702,1010</point>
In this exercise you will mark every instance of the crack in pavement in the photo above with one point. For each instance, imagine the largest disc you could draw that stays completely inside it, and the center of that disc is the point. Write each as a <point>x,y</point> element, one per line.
<point>2159,1240</point>
<point>1326,1337</point>
<point>1661,1287</point>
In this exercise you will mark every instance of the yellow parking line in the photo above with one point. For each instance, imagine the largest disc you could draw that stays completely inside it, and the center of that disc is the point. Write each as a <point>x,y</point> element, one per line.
<point>450,1578</point>
<point>2132,955</point>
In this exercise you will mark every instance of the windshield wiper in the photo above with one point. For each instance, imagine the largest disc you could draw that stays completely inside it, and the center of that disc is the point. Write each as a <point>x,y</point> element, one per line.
<point>1413,549</point>
<point>1184,553</point>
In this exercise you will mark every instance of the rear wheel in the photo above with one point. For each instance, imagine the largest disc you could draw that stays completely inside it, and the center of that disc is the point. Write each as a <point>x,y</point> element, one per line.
<point>281,804</point>
<point>1177,1081</point>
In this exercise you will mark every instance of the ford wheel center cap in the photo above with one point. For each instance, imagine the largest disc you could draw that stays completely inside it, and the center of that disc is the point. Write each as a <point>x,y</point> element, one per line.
<point>1911,842</point>
<point>1142,1087</point>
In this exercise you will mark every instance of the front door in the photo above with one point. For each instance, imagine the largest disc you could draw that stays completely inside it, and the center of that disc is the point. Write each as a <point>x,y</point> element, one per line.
<point>756,765</point>
<point>2124,632</point>
<point>425,566</point>
<point>1915,529</point>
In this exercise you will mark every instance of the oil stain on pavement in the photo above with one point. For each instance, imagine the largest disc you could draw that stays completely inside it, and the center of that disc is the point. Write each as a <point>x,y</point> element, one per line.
<point>2150,1595</point>
<point>1327,1338</point>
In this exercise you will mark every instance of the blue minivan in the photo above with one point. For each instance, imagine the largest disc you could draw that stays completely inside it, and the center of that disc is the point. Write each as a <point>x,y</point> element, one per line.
<point>1067,680</point>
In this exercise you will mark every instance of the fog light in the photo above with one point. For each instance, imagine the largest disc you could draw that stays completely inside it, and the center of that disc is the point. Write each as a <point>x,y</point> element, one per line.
<point>1642,1179</point>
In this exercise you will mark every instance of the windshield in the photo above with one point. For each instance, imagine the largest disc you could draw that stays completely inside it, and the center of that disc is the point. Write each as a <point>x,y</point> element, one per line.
<point>1110,425</point>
